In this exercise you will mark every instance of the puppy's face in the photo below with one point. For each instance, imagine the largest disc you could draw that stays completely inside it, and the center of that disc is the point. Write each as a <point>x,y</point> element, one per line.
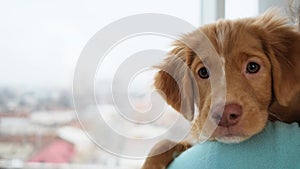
<point>248,89</point>
<point>253,54</point>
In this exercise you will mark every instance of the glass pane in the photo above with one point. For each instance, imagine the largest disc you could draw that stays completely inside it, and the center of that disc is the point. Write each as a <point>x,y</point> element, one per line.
<point>39,47</point>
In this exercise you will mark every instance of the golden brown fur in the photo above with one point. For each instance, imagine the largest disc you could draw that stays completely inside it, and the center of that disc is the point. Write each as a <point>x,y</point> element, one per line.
<point>272,92</point>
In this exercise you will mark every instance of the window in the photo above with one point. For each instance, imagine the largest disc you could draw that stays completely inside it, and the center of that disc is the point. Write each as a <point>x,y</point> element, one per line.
<point>41,42</point>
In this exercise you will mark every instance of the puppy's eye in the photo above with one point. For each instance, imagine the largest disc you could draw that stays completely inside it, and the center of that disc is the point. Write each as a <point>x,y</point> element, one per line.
<point>203,73</point>
<point>253,67</point>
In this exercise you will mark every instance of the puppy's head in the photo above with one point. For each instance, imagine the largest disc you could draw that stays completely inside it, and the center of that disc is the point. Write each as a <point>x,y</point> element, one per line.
<point>259,58</point>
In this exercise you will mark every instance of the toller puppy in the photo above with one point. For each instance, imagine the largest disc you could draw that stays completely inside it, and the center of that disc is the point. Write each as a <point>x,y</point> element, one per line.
<point>260,59</point>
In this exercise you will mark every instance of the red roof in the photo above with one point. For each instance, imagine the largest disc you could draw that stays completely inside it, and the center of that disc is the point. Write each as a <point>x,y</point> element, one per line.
<point>59,151</point>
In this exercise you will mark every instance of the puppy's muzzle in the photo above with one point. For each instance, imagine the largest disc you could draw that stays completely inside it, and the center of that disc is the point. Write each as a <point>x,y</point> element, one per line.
<point>230,116</point>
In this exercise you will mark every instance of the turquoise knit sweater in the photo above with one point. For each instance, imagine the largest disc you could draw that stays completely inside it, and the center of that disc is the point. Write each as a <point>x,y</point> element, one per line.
<point>276,147</point>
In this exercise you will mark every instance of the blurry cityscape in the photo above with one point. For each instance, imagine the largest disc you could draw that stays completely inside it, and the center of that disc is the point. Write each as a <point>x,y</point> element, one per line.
<point>39,129</point>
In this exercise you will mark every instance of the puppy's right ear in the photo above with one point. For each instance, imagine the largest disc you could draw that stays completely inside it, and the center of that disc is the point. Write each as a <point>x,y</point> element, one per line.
<point>175,81</point>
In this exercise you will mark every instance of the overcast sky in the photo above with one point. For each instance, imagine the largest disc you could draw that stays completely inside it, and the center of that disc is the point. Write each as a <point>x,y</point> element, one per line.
<point>40,41</point>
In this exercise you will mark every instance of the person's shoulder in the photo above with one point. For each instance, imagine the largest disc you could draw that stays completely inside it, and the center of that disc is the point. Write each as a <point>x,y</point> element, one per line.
<point>277,146</point>
<point>282,131</point>
<point>286,135</point>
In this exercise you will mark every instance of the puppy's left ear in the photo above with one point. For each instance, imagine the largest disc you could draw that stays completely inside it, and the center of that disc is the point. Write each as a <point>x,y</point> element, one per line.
<point>281,42</point>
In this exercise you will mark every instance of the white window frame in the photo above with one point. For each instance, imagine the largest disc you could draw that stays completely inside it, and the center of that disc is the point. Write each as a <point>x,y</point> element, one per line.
<point>211,10</point>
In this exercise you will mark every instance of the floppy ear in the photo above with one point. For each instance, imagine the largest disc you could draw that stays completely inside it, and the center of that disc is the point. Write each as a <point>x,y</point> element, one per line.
<point>282,45</point>
<point>175,80</point>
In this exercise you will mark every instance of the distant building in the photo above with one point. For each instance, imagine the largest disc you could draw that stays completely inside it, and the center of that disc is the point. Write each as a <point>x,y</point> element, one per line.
<point>59,151</point>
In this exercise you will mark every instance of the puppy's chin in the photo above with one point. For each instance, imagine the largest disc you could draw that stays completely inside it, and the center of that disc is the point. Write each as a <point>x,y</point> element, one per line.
<point>231,139</point>
<point>228,139</point>
<point>234,134</point>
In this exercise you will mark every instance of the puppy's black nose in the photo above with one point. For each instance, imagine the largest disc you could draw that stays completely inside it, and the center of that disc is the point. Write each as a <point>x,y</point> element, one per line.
<point>229,117</point>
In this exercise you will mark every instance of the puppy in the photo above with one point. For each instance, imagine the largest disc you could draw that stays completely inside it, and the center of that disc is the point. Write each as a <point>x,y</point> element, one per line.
<point>258,59</point>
